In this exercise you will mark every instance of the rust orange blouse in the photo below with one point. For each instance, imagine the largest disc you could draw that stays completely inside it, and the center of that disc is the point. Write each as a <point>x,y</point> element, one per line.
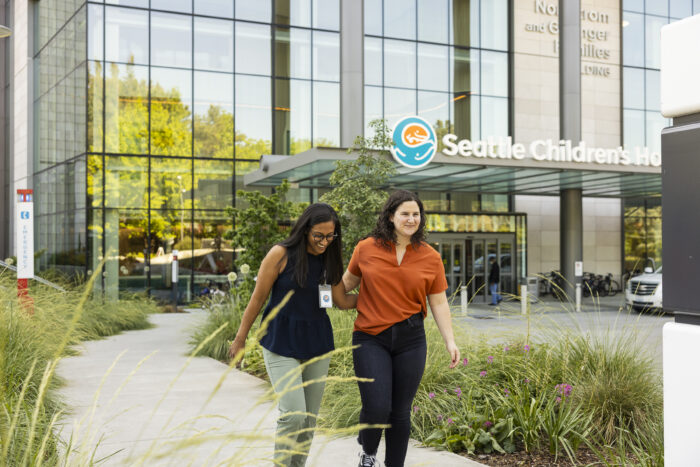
<point>391,292</point>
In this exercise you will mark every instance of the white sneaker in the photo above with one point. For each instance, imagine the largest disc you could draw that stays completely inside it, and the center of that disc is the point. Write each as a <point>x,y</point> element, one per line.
<point>368,461</point>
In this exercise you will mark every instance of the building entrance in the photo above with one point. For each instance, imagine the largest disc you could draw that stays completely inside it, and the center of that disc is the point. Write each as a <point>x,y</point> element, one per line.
<point>467,257</point>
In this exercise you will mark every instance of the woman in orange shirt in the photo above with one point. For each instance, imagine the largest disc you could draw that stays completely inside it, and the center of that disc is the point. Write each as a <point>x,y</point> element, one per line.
<point>396,270</point>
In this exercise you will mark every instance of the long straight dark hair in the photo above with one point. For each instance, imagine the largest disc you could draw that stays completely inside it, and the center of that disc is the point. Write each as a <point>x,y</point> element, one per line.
<point>297,242</point>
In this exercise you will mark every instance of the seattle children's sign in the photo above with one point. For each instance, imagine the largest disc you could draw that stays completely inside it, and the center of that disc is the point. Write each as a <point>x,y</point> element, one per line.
<point>415,145</point>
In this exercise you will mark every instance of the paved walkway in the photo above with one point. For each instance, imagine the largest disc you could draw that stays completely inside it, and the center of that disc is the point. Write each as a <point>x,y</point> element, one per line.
<point>160,411</point>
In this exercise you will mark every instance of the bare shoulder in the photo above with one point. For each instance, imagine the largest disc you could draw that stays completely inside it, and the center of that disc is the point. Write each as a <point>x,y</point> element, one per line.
<point>277,252</point>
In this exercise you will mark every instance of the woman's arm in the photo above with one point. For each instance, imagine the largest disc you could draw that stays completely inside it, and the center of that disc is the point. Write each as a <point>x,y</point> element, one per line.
<point>443,319</point>
<point>350,280</point>
<point>342,299</point>
<point>267,275</point>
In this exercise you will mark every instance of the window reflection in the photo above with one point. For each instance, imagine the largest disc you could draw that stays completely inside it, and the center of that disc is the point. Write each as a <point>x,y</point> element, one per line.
<point>433,67</point>
<point>213,114</point>
<point>494,67</point>
<point>95,91</point>
<point>373,61</point>
<point>656,7</point>
<point>95,182</point>
<point>126,182</point>
<point>213,184</point>
<point>633,127</point>
<point>399,64</point>
<point>326,14</point>
<point>213,44</point>
<point>465,115</point>
<point>126,109</point>
<point>293,53</point>
<point>171,183</point>
<point>126,33</point>
<point>494,24</point>
<point>373,17</point>
<point>374,98</point>
<point>397,104</point>
<point>400,18</point>
<point>435,108</point>
<point>292,116</point>
<point>465,66</point>
<point>171,40</point>
<point>252,49</point>
<point>254,10</point>
<point>125,240</point>
<point>222,8</point>
<point>213,253</point>
<point>494,112</point>
<point>633,33</point>
<point>293,12</point>
<point>95,36</point>
<point>653,90</point>
<point>652,42</point>
<point>183,6</point>
<point>171,115</point>
<point>253,120</point>
<point>432,21</point>
<point>326,114</point>
<point>170,230</point>
<point>633,95</point>
<point>326,56</point>
<point>464,16</point>
<point>136,3</point>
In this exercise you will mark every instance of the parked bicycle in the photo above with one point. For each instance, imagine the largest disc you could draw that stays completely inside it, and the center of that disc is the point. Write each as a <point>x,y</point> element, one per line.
<point>596,284</point>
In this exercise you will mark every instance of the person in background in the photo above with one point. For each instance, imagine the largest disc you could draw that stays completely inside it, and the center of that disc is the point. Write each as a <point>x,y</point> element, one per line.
<point>494,278</point>
<point>396,270</point>
<point>304,263</point>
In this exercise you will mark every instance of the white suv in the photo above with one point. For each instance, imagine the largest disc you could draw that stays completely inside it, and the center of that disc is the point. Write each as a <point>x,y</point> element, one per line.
<point>644,292</point>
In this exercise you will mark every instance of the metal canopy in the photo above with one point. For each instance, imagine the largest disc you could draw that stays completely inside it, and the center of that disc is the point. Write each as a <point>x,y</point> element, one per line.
<point>313,168</point>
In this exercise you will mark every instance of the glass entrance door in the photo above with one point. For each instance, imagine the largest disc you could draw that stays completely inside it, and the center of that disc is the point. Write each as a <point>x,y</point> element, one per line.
<point>467,262</point>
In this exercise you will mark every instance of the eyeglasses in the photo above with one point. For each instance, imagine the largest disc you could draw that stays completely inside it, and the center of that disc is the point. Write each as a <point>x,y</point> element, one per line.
<point>319,236</point>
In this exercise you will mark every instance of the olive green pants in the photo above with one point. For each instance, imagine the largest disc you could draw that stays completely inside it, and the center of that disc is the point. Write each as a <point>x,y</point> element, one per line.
<point>294,426</point>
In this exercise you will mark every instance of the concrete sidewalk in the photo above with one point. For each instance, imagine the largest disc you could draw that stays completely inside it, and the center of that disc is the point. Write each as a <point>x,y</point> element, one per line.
<point>157,412</point>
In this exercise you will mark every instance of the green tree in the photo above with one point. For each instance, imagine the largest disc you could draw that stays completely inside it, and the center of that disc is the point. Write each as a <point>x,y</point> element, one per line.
<point>257,227</point>
<point>357,195</point>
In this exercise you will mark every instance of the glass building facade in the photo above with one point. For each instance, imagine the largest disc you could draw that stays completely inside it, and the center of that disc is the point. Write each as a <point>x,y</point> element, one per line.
<point>147,113</point>
<point>642,21</point>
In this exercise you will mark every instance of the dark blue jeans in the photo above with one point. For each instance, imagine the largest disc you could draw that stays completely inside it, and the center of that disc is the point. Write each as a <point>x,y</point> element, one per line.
<point>395,359</point>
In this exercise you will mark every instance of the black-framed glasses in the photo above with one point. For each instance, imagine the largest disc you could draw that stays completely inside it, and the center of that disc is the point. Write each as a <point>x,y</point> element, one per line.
<point>317,236</point>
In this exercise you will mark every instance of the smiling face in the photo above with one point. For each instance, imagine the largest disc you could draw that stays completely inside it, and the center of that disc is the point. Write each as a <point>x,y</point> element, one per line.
<point>406,219</point>
<point>319,237</point>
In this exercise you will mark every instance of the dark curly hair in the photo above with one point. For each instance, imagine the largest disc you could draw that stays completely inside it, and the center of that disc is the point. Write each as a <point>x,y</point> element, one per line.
<point>384,233</point>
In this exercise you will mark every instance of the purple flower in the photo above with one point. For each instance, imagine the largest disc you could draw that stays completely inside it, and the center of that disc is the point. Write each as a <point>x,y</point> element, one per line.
<point>527,381</point>
<point>507,392</point>
<point>444,390</point>
<point>487,424</point>
<point>526,348</point>
<point>439,417</point>
<point>482,374</point>
<point>465,362</point>
<point>431,395</point>
<point>564,389</point>
<point>506,348</point>
<point>490,358</point>
<point>558,399</point>
<point>415,409</point>
<point>458,391</point>
<point>450,421</point>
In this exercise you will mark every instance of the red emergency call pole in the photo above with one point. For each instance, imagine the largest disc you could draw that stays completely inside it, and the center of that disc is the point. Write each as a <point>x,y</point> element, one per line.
<point>24,246</point>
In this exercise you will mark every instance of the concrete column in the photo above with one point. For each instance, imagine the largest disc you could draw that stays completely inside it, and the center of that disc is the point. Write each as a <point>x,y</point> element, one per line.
<point>571,235</point>
<point>571,202</point>
<point>352,52</point>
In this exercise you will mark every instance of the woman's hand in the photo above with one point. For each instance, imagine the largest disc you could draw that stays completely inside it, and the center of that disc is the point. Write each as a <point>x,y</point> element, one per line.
<point>443,319</point>
<point>454,353</point>
<point>237,347</point>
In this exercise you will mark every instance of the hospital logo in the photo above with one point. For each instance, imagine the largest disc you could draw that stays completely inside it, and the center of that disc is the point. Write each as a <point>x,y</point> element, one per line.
<point>414,142</point>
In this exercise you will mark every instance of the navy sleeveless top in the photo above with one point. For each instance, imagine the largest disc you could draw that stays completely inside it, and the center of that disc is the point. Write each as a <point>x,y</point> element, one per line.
<point>302,329</point>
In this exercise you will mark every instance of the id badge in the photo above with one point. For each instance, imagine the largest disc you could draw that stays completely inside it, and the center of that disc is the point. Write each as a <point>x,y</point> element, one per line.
<point>324,296</point>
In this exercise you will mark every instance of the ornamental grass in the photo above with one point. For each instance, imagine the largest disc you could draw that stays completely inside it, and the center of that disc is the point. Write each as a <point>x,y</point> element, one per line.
<point>30,348</point>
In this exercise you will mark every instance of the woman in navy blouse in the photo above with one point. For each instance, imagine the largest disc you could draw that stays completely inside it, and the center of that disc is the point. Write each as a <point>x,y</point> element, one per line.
<point>306,262</point>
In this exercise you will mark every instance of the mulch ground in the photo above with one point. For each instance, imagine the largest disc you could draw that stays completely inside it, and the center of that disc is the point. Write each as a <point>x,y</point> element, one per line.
<point>541,458</point>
